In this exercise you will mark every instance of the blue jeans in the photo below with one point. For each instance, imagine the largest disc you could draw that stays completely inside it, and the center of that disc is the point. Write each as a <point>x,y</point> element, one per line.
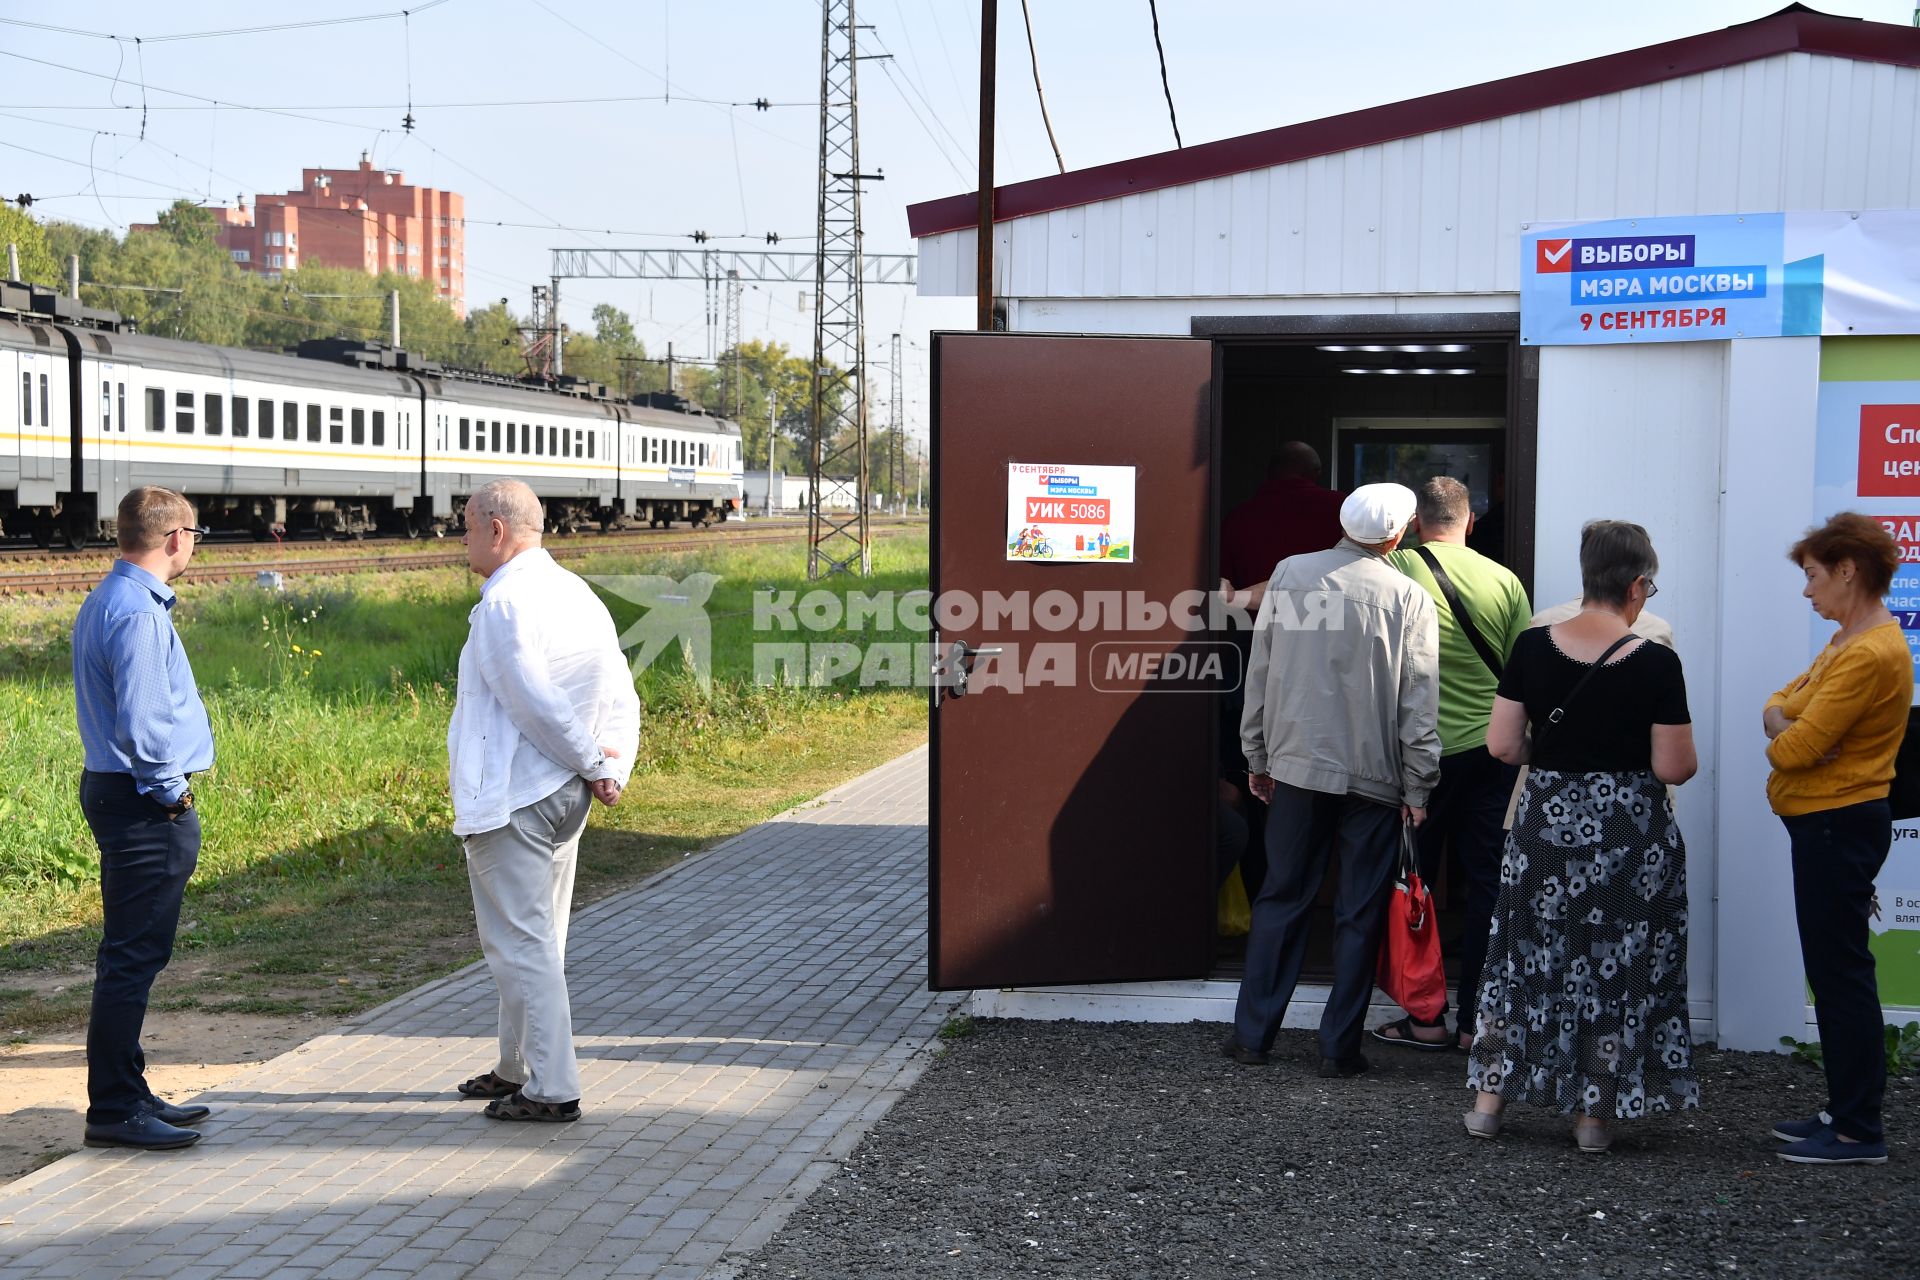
<point>145,859</point>
<point>1836,855</point>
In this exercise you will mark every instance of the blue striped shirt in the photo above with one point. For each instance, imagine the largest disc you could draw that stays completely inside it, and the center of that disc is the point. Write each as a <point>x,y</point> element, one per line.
<point>140,712</point>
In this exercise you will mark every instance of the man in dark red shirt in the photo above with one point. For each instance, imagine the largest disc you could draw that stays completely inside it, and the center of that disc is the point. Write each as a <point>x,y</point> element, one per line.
<point>1290,515</point>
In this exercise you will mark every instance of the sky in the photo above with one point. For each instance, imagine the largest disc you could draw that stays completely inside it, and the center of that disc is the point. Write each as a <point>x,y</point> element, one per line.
<point>678,155</point>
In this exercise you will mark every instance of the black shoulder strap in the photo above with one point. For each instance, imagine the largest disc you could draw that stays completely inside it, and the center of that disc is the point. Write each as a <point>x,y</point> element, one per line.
<point>1559,713</point>
<point>1488,654</point>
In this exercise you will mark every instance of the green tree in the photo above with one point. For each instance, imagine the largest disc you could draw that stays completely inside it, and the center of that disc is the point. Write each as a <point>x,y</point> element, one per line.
<point>37,262</point>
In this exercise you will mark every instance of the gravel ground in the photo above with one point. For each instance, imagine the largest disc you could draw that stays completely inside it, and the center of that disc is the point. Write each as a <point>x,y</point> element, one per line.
<point>1075,1149</point>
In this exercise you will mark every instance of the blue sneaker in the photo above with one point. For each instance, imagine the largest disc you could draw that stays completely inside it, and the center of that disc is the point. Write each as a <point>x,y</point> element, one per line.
<point>1796,1130</point>
<point>1826,1147</point>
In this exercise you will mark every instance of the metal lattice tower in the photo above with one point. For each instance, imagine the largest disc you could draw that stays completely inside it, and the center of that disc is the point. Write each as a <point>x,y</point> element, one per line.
<point>730,347</point>
<point>838,419</point>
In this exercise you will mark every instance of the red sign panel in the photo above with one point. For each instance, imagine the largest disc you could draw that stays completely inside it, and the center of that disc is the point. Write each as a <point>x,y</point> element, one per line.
<point>1070,510</point>
<point>1890,450</point>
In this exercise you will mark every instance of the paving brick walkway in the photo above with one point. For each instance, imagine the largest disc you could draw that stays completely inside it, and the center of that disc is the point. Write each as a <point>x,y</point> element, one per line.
<point>742,1020</point>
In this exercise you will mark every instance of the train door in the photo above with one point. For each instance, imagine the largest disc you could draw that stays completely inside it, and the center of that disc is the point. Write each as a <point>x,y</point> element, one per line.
<point>43,420</point>
<point>105,438</point>
<point>1070,829</point>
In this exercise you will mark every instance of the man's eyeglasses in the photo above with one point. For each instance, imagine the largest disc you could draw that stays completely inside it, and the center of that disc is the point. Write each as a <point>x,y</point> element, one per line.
<point>1652,590</point>
<point>201,531</point>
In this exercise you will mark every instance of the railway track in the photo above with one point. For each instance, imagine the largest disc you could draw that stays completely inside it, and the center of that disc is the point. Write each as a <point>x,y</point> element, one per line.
<point>54,580</point>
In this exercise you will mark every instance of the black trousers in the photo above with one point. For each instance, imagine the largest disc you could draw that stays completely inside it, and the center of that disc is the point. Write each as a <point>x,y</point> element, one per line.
<point>145,860</point>
<point>1468,808</point>
<point>1303,830</point>
<point>1836,855</point>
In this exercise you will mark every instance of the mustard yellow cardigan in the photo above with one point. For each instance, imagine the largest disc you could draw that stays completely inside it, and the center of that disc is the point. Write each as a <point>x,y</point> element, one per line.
<point>1855,697</point>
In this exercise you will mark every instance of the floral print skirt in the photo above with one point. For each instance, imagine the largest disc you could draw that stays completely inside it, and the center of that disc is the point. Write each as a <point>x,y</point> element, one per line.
<point>1583,1000</point>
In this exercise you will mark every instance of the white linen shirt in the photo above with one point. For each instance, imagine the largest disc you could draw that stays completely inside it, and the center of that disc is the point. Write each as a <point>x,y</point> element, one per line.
<point>542,686</point>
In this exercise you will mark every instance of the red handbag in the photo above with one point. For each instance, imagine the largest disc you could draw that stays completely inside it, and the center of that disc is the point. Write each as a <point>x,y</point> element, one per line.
<point>1409,969</point>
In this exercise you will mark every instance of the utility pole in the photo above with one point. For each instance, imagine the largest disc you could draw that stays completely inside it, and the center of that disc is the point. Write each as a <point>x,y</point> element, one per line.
<point>670,387</point>
<point>394,299</point>
<point>559,335</point>
<point>989,47</point>
<point>897,418</point>
<point>770,428</point>
<point>73,276</point>
<point>837,423</point>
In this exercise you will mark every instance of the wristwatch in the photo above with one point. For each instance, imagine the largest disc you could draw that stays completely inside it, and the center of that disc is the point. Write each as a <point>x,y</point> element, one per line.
<point>178,808</point>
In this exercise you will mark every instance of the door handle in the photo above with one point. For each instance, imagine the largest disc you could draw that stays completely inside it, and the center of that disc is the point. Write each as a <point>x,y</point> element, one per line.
<point>960,656</point>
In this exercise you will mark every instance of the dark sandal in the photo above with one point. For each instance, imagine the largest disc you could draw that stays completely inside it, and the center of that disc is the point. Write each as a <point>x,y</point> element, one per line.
<point>1401,1032</point>
<point>521,1107</point>
<point>487,1085</point>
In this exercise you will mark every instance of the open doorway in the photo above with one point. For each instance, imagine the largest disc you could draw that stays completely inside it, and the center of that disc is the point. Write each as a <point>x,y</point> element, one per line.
<point>1376,398</point>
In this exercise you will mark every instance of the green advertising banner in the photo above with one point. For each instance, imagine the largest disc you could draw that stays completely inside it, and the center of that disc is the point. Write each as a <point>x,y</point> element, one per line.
<point>1867,459</point>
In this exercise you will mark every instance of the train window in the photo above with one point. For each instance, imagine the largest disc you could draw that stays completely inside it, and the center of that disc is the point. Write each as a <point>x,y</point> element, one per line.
<point>26,399</point>
<point>466,432</point>
<point>106,407</point>
<point>313,424</point>
<point>289,421</point>
<point>263,415</point>
<point>123,408</point>
<point>46,409</point>
<point>359,426</point>
<point>566,444</point>
<point>539,442</point>
<point>183,411</point>
<point>579,442</point>
<point>336,424</point>
<point>379,428</point>
<point>241,410</point>
<point>156,409</point>
<point>553,441</point>
<point>496,437</point>
<point>216,414</point>
<point>590,436</point>
<point>526,434</point>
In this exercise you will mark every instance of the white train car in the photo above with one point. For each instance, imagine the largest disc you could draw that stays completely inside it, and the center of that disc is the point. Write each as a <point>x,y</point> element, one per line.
<point>343,439</point>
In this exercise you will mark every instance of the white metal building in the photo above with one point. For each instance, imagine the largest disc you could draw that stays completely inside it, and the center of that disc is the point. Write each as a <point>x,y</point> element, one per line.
<point>1407,223</point>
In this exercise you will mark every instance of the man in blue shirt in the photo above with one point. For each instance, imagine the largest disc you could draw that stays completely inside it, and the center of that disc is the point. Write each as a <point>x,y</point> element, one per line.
<point>146,734</point>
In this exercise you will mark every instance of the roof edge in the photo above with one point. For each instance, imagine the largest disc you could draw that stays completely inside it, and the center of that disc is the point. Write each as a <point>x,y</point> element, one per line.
<point>1793,30</point>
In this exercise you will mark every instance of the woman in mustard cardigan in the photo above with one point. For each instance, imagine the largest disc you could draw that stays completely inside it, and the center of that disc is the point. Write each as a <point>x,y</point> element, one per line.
<point>1835,732</point>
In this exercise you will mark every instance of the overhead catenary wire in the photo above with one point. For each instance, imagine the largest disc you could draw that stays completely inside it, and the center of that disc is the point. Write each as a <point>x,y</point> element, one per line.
<point>212,105</point>
<point>1033,57</point>
<point>1153,7</point>
<point>229,31</point>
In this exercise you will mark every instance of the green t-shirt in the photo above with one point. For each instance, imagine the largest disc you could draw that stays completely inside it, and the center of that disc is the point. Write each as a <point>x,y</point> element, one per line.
<point>1498,605</point>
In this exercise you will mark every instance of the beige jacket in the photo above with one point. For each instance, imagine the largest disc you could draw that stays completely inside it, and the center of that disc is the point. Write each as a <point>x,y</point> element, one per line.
<point>1343,687</point>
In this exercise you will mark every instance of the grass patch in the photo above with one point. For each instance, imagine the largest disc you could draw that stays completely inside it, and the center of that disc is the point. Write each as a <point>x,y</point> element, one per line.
<point>329,880</point>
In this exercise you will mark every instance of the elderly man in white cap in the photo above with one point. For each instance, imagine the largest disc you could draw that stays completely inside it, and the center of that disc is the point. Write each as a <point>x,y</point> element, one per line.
<point>1341,737</point>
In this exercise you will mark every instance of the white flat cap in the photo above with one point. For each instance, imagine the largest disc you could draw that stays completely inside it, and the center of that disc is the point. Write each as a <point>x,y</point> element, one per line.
<point>1375,512</point>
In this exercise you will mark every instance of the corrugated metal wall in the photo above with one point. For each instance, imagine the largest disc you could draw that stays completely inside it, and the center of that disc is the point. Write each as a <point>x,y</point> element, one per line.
<point>1442,212</point>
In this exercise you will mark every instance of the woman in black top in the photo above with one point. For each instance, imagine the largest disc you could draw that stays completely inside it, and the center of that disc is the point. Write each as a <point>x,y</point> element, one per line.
<point>1583,1000</point>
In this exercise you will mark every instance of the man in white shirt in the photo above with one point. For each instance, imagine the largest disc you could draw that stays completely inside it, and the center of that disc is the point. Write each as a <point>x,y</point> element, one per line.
<point>545,719</point>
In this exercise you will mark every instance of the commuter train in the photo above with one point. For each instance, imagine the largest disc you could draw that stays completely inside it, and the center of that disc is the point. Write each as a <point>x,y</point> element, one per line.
<point>342,439</point>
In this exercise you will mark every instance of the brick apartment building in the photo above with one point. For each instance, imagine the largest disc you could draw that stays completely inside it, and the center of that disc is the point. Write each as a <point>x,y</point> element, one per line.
<point>368,219</point>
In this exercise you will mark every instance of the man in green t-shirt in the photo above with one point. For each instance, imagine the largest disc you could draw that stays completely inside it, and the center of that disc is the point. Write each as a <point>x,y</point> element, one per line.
<point>1468,806</point>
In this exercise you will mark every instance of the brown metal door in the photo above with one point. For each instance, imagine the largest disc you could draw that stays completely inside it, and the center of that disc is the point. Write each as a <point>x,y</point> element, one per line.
<point>1071,828</point>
